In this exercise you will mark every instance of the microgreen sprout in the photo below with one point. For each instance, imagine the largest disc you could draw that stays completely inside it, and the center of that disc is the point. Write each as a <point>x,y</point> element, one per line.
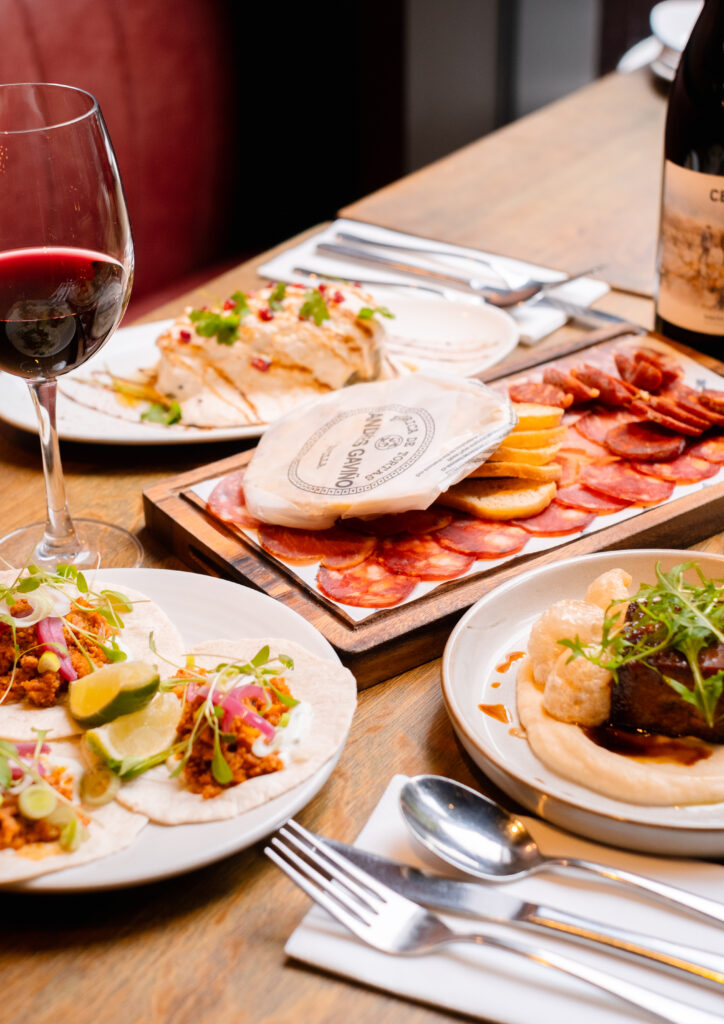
<point>314,307</point>
<point>223,326</point>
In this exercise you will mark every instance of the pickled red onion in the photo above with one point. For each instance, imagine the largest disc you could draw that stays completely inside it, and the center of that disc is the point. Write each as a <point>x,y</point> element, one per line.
<point>50,634</point>
<point>235,709</point>
<point>28,749</point>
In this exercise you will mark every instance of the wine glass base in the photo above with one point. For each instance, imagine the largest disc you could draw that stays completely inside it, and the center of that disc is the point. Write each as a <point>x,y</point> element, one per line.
<point>101,544</point>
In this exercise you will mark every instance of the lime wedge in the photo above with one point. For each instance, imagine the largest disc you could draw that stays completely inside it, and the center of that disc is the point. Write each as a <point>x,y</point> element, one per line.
<point>130,744</point>
<point>113,690</point>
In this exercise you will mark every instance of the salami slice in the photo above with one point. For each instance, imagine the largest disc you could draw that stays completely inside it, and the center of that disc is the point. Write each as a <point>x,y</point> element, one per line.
<point>670,370</point>
<point>649,411</point>
<point>712,449</point>
<point>570,464</point>
<point>556,521</point>
<point>713,400</point>
<point>423,558</point>
<point>687,398</point>
<point>336,547</point>
<point>645,442</point>
<point>638,372</point>
<point>621,481</point>
<point>539,393</point>
<point>422,521</point>
<point>367,585</point>
<point>570,384</point>
<point>687,469</point>
<point>596,424</point>
<point>227,503</point>
<point>613,391</point>
<point>582,498</point>
<point>482,538</point>
<point>674,409</point>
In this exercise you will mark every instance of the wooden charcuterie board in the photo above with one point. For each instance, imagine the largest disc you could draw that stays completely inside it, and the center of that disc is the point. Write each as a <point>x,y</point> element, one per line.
<point>396,639</point>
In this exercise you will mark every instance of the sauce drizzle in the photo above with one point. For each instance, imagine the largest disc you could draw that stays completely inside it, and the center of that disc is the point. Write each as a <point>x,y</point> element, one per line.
<point>513,656</point>
<point>686,750</point>
<point>497,711</point>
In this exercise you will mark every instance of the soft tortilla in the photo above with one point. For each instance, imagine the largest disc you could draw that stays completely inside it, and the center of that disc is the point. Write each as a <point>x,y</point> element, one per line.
<point>568,751</point>
<point>329,688</point>
<point>18,720</point>
<point>112,828</point>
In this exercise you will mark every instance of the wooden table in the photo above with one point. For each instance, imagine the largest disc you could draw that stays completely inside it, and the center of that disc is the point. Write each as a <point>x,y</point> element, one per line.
<point>573,185</point>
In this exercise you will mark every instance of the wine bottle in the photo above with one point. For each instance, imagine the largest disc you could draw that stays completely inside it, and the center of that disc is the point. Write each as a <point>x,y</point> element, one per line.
<point>690,264</point>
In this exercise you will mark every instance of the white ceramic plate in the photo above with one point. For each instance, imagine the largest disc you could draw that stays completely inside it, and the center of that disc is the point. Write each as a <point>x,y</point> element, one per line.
<point>200,607</point>
<point>428,334</point>
<point>672,21</point>
<point>499,624</point>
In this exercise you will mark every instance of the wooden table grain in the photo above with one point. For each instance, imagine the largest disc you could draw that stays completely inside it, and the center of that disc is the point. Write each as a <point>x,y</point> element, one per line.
<point>572,185</point>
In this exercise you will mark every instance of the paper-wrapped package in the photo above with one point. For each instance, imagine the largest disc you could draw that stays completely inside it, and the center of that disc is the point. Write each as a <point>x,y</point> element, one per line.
<point>373,449</point>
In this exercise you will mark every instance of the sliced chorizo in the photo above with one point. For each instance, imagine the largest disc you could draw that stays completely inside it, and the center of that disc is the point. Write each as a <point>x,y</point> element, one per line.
<point>576,496</point>
<point>539,393</point>
<point>648,411</point>
<point>570,384</point>
<point>613,392</point>
<point>687,469</point>
<point>711,449</point>
<point>367,585</point>
<point>621,481</point>
<point>644,441</point>
<point>416,521</point>
<point>555,521</point>
<point>595,425</point>
<point>337,548</point>
<point>482,538</point>
<point>423,558</point>
<point>227,502</point>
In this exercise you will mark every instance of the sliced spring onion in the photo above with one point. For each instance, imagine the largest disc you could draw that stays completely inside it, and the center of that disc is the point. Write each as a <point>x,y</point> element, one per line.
<point>37,802</point>
<point>72,835</point>
<point>62,814</point>
<point>98,786</point>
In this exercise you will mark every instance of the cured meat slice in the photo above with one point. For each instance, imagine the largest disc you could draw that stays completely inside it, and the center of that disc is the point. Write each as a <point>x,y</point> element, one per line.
<point>650,412</point>
<point>687,469</point>
<point>582,498</point>
<point>423,558</point>
<point>556,521</point>
<point>613,391</point>
<point>367,585</point>
<point>539,393</point>
<point>712,449</point>
<point>644,441</point>
<point>570,464</point>
<point>712,400</point>
<point>688,398</point>
<point>621,481</point>
<point>581,447</point>
<point>227,503</point>
<point>422,521</point>
<point>482,538</point>
<point>638,372</point>
<point>337,548</point>
<point>570,384</point>
<point>675,410</point>
<point>596,424</point>
<point>670,370</point>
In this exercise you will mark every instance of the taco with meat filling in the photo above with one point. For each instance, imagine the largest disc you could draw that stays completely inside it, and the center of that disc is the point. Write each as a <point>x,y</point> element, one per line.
<point>255,719</point>
<point>58,627</point>
<point>44,824</point>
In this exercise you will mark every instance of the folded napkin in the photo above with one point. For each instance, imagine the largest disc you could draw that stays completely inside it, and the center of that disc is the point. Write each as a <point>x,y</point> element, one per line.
<point>534,322</point>
<point>496,986</point>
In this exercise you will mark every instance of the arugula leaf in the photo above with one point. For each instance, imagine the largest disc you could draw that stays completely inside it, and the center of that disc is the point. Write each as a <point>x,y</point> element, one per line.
<point>275,299</point>
<point>261,657</point>
<point>158,413</point>
<point>219,765</point>
<point>367,312</point>
<point>314,307</point>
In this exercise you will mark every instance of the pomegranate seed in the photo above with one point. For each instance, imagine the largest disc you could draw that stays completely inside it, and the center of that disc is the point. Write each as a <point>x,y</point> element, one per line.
<point>260,363</point>
<point>184,335</point>
<point>229,304</point>
<point>322,289</point>
<point>338,297</point>
<point>265,314</point>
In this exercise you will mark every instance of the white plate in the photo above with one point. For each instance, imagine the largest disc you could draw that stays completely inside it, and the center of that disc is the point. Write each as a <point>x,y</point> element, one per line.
<point>483,334</point>
<point>500,623</point>
<point>672,21</point>
<point>200,607</point>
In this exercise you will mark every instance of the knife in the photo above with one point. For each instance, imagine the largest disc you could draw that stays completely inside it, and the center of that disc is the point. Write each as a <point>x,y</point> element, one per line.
<point>489,904</point>
<point>585,314</point>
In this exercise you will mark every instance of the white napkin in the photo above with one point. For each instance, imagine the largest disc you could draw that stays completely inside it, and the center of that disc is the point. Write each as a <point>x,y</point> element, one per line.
<point>497,986</point>
<point>534,322</point>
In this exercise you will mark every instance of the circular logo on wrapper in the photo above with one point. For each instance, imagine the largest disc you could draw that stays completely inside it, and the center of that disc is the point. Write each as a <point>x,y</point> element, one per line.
<point>362,449</point>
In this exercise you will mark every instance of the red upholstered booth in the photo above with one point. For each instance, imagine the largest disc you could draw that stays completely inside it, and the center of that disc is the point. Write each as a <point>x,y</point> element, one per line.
<point>164,74</point>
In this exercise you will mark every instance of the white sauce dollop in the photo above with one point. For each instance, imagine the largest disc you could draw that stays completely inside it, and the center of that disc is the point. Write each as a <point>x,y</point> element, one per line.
<point>287,738</point>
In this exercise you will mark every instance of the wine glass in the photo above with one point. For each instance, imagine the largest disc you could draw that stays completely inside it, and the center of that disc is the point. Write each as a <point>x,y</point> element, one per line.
<point>66,269</point>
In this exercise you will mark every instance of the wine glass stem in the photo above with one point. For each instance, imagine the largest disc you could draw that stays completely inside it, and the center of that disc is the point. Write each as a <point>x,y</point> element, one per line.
<point>59,539</point>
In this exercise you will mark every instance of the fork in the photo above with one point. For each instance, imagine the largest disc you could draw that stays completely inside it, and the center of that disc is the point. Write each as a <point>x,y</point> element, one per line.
<point>393,924</point>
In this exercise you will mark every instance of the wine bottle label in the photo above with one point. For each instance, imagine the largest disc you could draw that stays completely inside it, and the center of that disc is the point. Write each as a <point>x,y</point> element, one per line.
<point>691,250</point>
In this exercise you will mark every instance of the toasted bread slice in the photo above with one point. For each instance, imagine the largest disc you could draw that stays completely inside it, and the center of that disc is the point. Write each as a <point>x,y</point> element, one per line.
<point>536,438</point>
<point>529,456</point>
<point>517,469</point>
<point>532,416</point>
<point>499,499</point>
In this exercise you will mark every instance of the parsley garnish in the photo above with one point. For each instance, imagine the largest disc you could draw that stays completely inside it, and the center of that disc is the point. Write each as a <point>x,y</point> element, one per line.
<point>158,413</point>
<point>275,299</point>
<point>314,307</point>
<point>670,615</point>
<point>223,326</point>
<point>367,312</point>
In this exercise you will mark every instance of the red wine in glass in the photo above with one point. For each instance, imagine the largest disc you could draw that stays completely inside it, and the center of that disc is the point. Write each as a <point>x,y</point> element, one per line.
<point>66,268</point>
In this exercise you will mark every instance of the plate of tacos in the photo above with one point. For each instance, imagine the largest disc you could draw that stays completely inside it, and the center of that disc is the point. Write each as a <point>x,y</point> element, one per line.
<point>152,722</point>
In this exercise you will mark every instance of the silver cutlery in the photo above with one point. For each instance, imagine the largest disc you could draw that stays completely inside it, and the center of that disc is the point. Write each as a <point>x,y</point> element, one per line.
<point>479,837</point>
<point>393,924</point>
<point>491,905</point>
<point>306,272</point>
<point>505,298</point>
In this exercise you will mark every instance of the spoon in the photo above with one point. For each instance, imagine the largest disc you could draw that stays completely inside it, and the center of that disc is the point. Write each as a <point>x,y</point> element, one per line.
<point>479,837</point>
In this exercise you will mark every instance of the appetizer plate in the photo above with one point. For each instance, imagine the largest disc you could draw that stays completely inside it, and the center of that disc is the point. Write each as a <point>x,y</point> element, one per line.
<point>426,334</point>
<point>200,607</point>
<point>477,669</point>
